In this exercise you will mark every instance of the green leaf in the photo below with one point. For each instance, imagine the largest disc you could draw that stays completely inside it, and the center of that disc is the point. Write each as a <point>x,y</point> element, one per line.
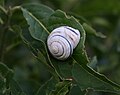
<point>87,80</point>
<point>37,29</point>
<point>80,18</point>
<point>77,91</point>
<point>90,30</point>
<point>47,87</point>
<point>6,73</point>
<point>61,88</point>
<point>40,11</point>
<point>15,88</point>
<point>53,87</point>
<point>38,48</point>
<point>29,86</point>
<point>7,83</point>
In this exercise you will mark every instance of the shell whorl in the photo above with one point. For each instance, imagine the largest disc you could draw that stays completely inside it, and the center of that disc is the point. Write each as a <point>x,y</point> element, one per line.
<point>62,41</point>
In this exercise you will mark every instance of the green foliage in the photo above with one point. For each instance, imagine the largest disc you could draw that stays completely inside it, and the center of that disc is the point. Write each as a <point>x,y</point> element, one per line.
<point>8,84</point>
<point>25,28</point>
<point>85,80</point>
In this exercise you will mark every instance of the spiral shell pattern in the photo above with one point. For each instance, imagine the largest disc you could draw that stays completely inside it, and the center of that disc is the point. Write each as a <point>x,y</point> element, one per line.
<point>62,41</point>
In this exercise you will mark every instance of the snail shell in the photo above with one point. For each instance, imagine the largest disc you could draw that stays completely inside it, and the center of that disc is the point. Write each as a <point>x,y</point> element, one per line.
<point>62,41</point>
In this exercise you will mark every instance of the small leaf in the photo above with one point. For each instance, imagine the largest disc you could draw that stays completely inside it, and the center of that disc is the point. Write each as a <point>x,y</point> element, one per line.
<point>90,30</point>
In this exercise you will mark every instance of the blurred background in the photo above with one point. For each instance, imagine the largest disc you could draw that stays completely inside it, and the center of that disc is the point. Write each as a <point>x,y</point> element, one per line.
<point>101,15</point>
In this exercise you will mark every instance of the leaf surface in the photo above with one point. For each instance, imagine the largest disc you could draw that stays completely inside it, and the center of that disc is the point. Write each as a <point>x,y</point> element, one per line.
<point>87,80</point>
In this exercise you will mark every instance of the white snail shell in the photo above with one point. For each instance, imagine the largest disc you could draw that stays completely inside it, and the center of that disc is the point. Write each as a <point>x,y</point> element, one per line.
<point>62,41</point>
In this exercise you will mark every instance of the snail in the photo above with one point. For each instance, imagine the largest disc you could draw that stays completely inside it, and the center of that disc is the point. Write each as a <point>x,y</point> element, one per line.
<point>62,41</point>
